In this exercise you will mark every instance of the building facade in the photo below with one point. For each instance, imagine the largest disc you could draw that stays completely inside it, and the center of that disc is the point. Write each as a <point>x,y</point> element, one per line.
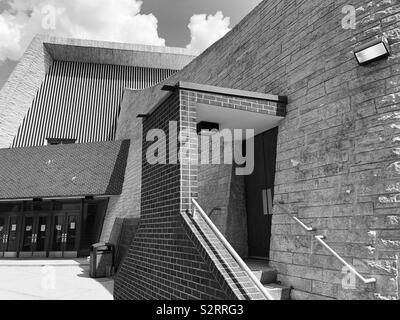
<point>61,162</point>
<point>324,189</point>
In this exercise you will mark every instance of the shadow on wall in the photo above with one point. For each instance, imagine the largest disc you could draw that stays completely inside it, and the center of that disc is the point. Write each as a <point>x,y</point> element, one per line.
<point>222,196</point>
<point>122,235</point>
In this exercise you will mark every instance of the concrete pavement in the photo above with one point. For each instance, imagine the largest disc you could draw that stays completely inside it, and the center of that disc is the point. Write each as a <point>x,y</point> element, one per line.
<point>51,280</point>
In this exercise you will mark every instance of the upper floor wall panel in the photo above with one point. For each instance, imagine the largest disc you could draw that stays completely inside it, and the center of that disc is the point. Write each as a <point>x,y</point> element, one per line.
<point>82,101</point>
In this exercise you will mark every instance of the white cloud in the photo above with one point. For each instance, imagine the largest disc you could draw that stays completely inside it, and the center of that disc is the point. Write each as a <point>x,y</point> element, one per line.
<point>10,36</point>
<point>205,30</point>
<point>106,20</point>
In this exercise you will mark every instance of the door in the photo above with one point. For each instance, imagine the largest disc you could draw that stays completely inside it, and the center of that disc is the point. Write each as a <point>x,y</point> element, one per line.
<point>3,220</point>
<point>35,237</point>
<point>42,232</point>
<point>65,238</point>
<point>9,229</point>
<point>259,194</point>
<point>28,236</point>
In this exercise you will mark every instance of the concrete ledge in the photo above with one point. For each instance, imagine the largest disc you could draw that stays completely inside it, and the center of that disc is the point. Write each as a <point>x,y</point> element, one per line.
<point>124,54</point>
<point>226,91</point>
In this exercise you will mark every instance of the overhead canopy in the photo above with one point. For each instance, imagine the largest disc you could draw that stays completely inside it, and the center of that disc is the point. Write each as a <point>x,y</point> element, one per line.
<point>233,108</point>
<point>90,169</point>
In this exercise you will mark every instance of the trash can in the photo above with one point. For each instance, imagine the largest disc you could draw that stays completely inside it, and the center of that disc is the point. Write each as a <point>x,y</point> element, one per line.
<point>101,260</point>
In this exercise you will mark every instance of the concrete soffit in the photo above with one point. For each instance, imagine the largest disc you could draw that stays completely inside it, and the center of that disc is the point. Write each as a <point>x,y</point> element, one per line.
<point>268,112</point>
<point>88,51</point>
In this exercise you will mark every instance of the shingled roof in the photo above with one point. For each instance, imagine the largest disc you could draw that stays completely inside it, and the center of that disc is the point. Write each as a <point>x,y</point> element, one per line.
<point>89,169</point>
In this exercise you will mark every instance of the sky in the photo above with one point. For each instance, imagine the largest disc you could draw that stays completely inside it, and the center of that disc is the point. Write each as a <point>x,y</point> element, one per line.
<point>192,24</point>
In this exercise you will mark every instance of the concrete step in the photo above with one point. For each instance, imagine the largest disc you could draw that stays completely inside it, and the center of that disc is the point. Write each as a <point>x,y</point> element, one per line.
<point>278,292</point>
<point>262,271</point>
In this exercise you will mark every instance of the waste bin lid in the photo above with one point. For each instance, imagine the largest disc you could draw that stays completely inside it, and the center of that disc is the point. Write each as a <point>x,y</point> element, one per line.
<point>101,246</point>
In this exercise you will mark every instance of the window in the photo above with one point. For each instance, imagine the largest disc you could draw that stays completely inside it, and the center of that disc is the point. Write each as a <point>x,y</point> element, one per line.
<point>66,205</point>
<point>57,141</point>
<point>10,207</point>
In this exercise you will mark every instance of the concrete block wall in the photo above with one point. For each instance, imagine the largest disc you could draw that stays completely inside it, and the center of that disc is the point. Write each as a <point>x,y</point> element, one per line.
<point>127,205</point>
<point>19,91</point>
<point>337,162</point>
<point>122,235</point>
<point>221,194</point>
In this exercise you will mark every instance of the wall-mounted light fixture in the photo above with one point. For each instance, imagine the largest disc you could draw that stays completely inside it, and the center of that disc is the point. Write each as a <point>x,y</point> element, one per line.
<point>207,128</point>
<point>372,51</point>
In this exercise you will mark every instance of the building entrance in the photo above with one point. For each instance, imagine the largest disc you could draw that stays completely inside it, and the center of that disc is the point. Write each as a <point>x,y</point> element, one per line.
<point>35,235</point>
<point>65,238</point>
<point>54,229</point>
<point>9,226</point>
<point>259,194</point>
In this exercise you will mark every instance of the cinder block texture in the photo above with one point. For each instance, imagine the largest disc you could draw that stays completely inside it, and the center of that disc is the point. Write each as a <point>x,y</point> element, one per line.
<point>338,157</point>
<point>127,205</point>
<point>222,197</point>
<point>123,232</point>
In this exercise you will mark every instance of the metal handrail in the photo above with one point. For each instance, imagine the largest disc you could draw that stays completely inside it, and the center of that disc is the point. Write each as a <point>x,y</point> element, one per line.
<point>333,252</point>
<point>307,228</point>
<point>349,266</point>
<point>232,251</point>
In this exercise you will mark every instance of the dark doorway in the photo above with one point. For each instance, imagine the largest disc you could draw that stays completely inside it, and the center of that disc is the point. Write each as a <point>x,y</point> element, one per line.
<point>35,235</point>
<point>9,226</point>
<point>65,238</point>
<point>50,228</point>
<point>260,193</point>
<point>92,224</point>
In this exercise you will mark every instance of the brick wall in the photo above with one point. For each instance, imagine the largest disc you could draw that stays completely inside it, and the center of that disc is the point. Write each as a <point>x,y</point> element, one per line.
<point>173,255</point>
<point>337,161</point>
<point>162,262</point>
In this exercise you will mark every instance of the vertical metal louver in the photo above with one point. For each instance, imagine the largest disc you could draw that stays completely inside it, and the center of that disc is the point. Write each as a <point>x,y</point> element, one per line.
<point>82,101</point>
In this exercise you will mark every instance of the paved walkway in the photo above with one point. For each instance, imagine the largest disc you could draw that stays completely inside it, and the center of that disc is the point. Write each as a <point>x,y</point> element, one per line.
<point>51,280</point>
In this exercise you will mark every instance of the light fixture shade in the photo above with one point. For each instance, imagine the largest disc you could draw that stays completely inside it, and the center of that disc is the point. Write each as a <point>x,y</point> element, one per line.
<point>372,51</point>
<point>207,128</point>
